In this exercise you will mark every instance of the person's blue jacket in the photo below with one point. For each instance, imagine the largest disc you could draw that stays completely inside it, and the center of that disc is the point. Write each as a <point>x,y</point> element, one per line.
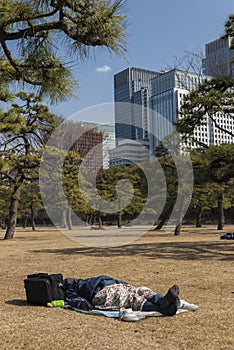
<point>79,293</point>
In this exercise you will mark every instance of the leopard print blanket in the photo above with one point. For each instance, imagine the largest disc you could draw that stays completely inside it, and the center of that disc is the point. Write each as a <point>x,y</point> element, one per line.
<point>117,296</point>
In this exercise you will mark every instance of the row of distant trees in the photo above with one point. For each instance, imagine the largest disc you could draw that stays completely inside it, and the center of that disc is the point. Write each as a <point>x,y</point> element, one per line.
<point>33,72</point>
<point>213,192</point>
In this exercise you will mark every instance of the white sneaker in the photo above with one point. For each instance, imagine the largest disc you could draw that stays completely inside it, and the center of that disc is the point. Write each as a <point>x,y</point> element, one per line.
<point>187,306</point>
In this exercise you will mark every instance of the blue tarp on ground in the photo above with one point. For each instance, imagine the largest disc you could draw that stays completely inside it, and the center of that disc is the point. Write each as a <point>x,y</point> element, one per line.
<point>123,314</point>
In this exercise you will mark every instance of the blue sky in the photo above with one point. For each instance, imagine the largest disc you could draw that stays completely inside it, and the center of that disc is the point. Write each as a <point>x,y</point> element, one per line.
<point>159,31</point>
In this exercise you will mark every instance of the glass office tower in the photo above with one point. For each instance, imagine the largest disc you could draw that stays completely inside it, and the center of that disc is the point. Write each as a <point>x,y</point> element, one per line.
<point>167,93</point>
<point>218,56</point>
<point>132,100</point>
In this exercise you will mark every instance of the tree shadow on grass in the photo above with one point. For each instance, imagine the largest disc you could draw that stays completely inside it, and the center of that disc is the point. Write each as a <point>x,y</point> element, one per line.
<point>17,302</point>
<point>220,251</point>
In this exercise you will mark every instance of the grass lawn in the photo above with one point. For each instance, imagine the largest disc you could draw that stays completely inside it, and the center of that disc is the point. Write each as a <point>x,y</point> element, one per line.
<point>197,260</point>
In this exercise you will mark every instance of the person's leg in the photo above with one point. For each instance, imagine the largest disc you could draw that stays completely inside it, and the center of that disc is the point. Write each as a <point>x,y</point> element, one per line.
<point>148,306</point>
<point>155,299</point>
<point>167,305</point>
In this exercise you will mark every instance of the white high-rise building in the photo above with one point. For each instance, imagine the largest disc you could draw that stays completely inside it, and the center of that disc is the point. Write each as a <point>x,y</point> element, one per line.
<point>129,152</point>
<point>167,94</point>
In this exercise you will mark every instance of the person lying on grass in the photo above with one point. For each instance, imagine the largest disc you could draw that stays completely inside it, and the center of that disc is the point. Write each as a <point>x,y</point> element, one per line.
<point>108,293</point>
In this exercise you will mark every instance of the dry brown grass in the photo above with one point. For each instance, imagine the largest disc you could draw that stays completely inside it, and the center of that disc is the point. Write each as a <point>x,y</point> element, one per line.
<point>198,261</point>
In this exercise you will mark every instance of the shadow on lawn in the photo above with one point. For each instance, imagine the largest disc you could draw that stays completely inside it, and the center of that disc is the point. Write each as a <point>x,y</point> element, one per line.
<point>17,302</point>
<point>221,251</point>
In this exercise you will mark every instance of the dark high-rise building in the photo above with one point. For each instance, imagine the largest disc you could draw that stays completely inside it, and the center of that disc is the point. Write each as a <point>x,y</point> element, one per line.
<point>218,56</point>
<point>132,100</point>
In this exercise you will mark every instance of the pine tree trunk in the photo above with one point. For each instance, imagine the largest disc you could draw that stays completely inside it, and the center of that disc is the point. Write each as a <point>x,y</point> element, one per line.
<point>64,223</point>
<point>69,218</point>
<point>3,224</point>
<point>180,218</point>
<point>119,220</point>
<point>13,212</point>
<point>165,217</point>
<point>161,223</point>
<point>25,222</point>
<point>33,218</point>
<point>220,213</point>
<point>199,216</point>
<point>100,221</point>
<point>92,219</point>
<point>178,229</point>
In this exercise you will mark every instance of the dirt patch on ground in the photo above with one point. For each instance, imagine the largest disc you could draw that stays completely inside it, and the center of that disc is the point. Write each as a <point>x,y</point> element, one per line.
<point>197,260</point>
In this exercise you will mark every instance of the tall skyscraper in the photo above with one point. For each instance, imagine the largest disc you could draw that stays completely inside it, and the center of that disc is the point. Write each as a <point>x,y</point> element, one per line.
<point>132,99</point>
<point>167,93</point>
<point>218,55</point>
<point>152,105</point>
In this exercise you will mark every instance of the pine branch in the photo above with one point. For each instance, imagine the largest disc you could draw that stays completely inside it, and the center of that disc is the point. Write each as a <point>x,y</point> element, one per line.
<point>220,127</point>
<point>31,32</point>
<point>8,176</point>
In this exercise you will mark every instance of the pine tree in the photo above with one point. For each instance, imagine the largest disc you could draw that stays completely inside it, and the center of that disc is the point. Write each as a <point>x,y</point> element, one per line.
<point>32,33</point>
<point>229,25</point>
<point>214,176</point>
<point>129,201</point>
<point>4,203</point>
<point>30,204</point>
<point>25,128</point>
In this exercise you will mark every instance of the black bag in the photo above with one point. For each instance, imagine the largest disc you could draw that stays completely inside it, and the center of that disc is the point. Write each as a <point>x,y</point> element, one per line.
<point>42,288</point>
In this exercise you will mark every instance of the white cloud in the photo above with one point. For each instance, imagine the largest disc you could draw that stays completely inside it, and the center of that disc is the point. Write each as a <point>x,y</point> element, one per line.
<point>104,69</point>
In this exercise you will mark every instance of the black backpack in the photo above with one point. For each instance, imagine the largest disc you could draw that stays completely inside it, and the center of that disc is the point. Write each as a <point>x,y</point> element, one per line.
<point>42,288</point>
